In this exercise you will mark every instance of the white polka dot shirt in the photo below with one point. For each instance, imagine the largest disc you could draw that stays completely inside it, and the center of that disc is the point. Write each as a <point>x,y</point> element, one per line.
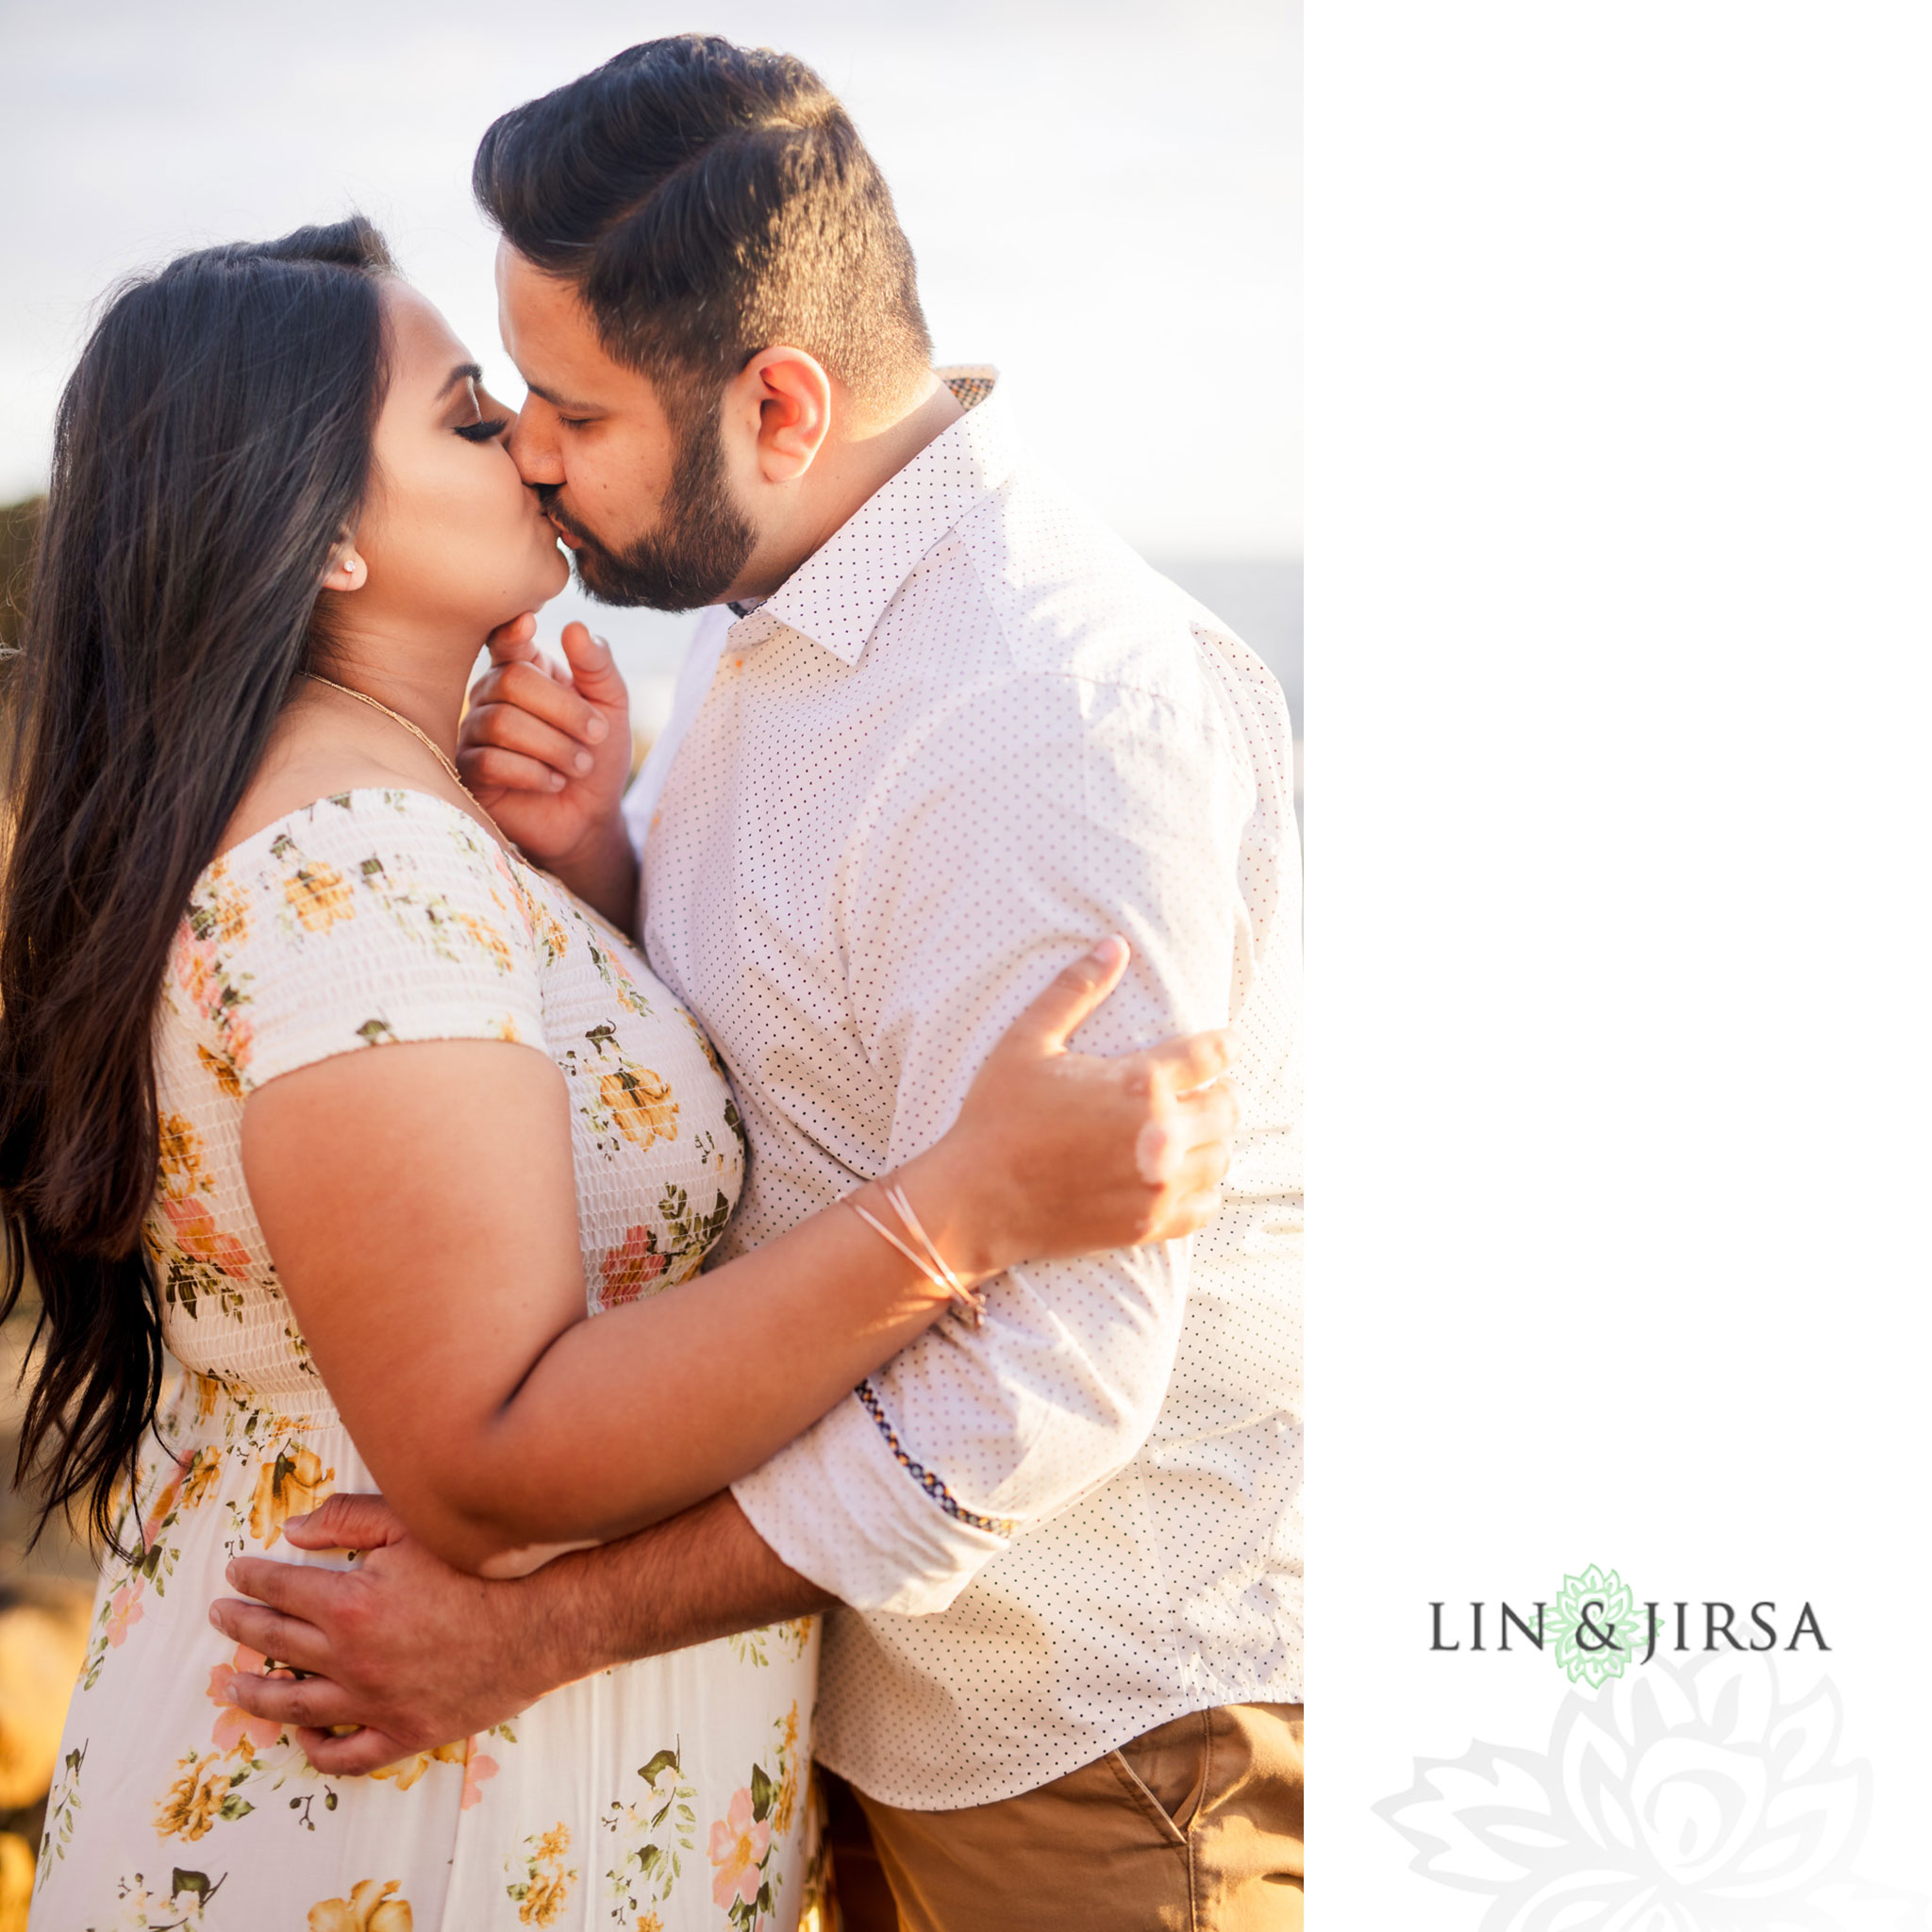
<point>968,737</point>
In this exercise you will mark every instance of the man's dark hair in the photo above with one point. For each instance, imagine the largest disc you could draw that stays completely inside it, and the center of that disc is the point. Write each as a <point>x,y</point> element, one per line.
<point>708,201</point>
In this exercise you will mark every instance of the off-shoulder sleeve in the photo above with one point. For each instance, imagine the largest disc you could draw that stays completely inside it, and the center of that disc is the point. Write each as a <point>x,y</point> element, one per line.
<point>363,921</point>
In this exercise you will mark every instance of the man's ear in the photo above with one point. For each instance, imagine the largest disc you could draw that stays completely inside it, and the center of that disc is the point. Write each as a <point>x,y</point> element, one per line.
<point>792,395</point>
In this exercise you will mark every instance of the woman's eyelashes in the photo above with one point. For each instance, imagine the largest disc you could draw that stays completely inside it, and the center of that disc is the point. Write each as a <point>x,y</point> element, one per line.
<point>486,431</point>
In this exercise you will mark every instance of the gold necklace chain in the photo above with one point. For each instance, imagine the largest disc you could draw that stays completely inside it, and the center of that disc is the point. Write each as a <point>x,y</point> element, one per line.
<point>362,697</point>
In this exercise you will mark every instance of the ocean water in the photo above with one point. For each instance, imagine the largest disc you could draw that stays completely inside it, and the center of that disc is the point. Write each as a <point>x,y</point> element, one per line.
<point>1258,597</point>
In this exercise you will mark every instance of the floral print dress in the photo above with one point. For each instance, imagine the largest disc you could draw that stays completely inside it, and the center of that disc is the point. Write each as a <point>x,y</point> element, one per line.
<point>666,1794</point>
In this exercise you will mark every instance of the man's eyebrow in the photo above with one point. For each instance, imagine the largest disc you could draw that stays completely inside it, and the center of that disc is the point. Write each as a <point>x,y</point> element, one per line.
<point>464,372</point>
<point>557,402</point>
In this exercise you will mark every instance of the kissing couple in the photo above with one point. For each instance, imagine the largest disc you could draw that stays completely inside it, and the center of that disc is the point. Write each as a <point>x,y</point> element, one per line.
<point>670,1284</point>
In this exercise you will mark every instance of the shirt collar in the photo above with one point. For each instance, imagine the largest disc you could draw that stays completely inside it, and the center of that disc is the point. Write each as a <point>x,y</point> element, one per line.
<point>838,594</point>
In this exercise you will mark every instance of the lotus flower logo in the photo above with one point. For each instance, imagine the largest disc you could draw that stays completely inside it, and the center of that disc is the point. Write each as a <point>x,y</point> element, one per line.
<point>1598,1630</point>
<point>1688,1799</point>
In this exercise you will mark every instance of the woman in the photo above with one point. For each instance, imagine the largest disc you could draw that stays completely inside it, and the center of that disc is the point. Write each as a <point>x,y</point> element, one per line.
<point>280,522</point>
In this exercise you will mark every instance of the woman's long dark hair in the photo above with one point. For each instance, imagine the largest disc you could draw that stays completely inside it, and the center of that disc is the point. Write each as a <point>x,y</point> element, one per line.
<point>210,451</point>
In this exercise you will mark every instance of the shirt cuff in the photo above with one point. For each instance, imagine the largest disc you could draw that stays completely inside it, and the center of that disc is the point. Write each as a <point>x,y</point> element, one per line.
<point>849,1508</point>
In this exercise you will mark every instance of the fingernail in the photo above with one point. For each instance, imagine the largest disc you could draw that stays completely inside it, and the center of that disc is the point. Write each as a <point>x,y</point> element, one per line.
<point>1111,949</point>
<point>212,1618</point>
<point>598,729</point>
<point>583,762</point>
<point>229,1573</point>
<point>556,781</point>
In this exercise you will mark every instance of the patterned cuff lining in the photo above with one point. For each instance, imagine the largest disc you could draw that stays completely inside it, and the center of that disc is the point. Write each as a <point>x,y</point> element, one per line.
<point>993,1525</point>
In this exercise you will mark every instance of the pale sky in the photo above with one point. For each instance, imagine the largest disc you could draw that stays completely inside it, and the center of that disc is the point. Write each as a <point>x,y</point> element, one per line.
<point>1104,196</point>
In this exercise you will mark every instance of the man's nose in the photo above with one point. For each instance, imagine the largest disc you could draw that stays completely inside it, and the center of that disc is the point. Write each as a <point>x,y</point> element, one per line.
<point>534,453</point>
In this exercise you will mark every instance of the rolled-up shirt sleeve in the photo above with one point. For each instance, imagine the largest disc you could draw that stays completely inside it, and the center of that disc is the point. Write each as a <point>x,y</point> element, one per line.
<point>1032,820</point>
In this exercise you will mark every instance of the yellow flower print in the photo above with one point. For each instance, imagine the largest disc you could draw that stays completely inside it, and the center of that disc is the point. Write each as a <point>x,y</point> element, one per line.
<point>227,1078</point>
<point>788,1790</point>
<point>640,1102</point>
<point>541,1894</point>
<point>489,940</point>
<point>544,1901</point>
<point>650,1922</point>
<point>228,908</point>
<point>409,1770</point>
<point>291,1485</point>
<point>368,1908</point>
<point>179,1152</point>
<point>207,1391</point>
<point>505,1028</point>
<point>194,1802</point>
<point>545,929</point>
<point>159,1508</point>
<point>320,896</point>
<point>704,1039</point>
<point>204,1472</point>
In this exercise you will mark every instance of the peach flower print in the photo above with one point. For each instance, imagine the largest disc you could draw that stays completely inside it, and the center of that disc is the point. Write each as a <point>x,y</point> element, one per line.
<point>124,1611</point>
<point>227,1067</point>
<point>739,1844</point>
<point>631,1267</point>
<point>192,1223</point>
<point>291,1485</point>
<point>197,970</point>
<point>478,1768</point>
<point>368,1908</point>
<point>236,1726</point>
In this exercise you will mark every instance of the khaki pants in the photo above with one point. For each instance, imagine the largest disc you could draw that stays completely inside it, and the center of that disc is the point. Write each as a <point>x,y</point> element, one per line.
<point>1193,1827</point>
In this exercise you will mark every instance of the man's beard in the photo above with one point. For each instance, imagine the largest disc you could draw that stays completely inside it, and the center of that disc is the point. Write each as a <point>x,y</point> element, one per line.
<point>701,544</point>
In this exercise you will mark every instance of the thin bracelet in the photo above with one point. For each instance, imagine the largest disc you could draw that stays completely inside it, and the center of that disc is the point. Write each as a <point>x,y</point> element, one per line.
<point>969,1304</point>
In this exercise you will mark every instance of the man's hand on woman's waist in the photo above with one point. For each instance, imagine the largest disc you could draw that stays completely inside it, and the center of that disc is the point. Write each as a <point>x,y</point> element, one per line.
<point>419,1655</point>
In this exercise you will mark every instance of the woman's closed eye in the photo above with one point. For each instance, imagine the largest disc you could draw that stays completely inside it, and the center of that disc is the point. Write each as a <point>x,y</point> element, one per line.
<point>491,419</point>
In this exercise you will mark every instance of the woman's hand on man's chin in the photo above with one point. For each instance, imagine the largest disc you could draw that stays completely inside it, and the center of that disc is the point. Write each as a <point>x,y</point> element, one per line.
<point>546,751</point>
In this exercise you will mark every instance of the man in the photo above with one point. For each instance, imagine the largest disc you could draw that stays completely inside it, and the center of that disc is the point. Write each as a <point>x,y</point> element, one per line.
<point>939,726</point>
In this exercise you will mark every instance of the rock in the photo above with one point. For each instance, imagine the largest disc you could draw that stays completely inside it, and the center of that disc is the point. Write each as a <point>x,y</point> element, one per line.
<point>43,1643</point>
